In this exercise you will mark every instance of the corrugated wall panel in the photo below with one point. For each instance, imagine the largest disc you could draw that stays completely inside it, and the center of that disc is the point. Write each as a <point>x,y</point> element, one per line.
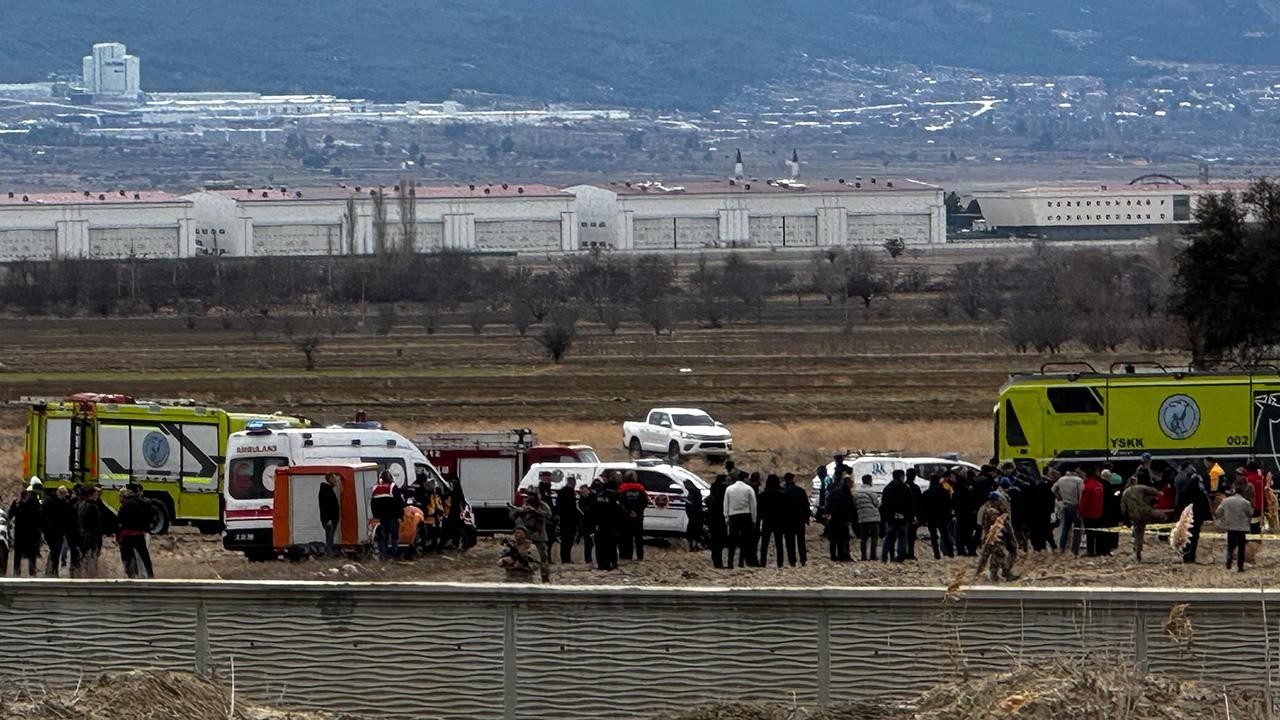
<point>409,650</point>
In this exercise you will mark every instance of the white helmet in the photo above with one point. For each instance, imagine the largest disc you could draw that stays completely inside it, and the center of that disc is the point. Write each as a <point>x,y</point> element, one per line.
<point>35,484</point>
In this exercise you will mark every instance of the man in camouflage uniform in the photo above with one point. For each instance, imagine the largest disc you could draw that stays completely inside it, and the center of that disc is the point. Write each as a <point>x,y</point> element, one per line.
<point>999,546</point>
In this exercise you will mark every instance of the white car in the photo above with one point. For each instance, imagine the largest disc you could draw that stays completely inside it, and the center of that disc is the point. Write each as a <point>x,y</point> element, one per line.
<point>664,483</point>
<point>675,432</point>
<point>881,467</point>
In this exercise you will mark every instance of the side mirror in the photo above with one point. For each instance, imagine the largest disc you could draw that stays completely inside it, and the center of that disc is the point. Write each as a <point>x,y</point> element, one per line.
<point>719,424</point>
<point>665,423</point>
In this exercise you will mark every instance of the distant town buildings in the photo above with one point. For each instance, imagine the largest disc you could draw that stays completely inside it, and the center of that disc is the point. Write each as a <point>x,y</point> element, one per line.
<point>111,73</point>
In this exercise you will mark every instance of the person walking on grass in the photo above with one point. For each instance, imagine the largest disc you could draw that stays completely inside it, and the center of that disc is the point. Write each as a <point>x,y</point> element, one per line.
<point>1138,504</point>
<point>1234,516</point>
<point>740,512</point>
<point>795,519</point>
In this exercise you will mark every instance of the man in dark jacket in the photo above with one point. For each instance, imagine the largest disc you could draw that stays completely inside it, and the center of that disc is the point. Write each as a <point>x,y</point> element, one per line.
<point>935,511</point>
<point>58,520</point>
<point>24,517</point>
<point>1189,490</point>
<point>913,522</point>
<point>795,518</point>
<point>634,500</point>
<point>89,530</point>
<point>545,478</point>
<point>330,510</point>
<point>716,528</point>
<point>604,518</point>
<point>693,516</point>
<point>771,506</point>
<point>897,509</point>
<point>840,512</point>
<point>586,516</point>
<point>569,519</point>
<point>134,517</point>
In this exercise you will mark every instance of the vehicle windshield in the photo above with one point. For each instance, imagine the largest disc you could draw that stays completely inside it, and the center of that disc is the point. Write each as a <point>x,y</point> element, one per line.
<point>253,478</point>
<point>693,420</point>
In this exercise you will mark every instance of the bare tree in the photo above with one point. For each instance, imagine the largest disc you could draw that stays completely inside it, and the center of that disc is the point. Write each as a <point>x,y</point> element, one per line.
<point>385,319</point>
<point>558,332</point>
<point>308,345</point>
<point>380,245</point>
<point>477,315</point>
<point>408,202</point>
<point>350,218</point>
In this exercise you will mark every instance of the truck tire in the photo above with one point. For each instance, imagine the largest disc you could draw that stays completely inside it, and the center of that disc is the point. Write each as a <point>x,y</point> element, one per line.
<point>636,451</point>
<point>259,555</point>
<point>161,516</point>
<point>673,452</point>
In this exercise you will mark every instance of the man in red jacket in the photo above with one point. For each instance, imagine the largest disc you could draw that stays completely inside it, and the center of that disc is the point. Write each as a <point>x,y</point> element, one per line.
<point>634,500</point>
<point>1253,474</point>
<point>1091,511</point>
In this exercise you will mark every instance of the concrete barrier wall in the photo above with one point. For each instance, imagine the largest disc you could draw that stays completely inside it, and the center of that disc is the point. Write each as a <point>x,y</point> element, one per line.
<point>489,651</point>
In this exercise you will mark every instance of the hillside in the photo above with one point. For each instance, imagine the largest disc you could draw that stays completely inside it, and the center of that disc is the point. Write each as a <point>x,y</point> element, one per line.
<point>660,53</point>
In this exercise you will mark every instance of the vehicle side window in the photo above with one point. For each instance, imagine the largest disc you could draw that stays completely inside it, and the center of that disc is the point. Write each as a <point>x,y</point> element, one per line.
<point>654,417</point>
<point>654,481</point>
<point>664,419</point>
<point>394,465</point>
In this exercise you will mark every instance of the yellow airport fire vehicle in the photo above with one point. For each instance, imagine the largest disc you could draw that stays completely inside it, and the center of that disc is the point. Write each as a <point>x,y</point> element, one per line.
<point>174,449</point>
<point>1084,415</point>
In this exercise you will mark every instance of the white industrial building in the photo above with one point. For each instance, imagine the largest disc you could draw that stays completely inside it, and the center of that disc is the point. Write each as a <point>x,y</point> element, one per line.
<point>750,213</point>
<point>94,224</point>
<point>348,221</point>
<point>1149,206</point>
<point>482,218</point>
<point>111,72</point>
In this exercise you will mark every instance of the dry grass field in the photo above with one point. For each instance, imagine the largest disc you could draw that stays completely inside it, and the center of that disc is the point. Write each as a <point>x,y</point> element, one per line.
<point>809,378</point>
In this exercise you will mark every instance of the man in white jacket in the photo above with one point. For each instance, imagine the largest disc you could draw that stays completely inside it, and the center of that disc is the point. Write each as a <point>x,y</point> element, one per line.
<point>740,513</point>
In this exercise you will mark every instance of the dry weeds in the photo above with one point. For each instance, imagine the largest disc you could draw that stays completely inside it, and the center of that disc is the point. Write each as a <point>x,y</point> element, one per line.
<point>137,695</point>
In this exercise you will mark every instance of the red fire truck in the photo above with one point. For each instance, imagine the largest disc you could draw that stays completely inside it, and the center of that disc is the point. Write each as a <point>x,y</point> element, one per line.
<point>490,465</point>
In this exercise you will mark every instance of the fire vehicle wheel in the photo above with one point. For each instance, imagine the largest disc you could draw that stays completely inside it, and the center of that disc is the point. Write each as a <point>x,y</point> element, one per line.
<point>160,516</point>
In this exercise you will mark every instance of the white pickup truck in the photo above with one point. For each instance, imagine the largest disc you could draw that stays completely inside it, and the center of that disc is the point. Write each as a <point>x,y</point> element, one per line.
<point>675,432</point>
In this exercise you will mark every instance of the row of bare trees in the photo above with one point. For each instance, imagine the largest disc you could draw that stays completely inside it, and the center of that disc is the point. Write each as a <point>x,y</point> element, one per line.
<point>1099,299</point>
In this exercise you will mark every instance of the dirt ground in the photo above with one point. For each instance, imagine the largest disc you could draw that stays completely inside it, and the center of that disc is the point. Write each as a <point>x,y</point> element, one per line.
<point>188,555</point>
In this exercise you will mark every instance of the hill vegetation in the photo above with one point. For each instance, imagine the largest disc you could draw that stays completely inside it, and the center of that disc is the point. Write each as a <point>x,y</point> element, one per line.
<point>661,53</point>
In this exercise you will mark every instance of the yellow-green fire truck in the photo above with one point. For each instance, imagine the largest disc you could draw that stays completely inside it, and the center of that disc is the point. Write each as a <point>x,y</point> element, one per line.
<point>1090,416</point>
<point>174,449</point>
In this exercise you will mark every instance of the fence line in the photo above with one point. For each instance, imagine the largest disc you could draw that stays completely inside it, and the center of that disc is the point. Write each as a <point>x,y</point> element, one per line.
<point>463,651</point>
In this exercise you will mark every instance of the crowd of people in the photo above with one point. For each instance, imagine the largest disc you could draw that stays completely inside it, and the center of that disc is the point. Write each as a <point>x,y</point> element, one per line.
<point>68,528</point>
<point>994,514</point>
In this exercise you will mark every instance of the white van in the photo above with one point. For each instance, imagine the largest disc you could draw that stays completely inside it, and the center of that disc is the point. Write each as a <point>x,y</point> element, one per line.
<point>664,483</point>
<point>881,467</point>
<point>253,456</point>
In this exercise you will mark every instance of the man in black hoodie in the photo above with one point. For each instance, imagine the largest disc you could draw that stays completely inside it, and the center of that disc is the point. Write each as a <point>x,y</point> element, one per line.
<point>89,530</point>
<point>897,509</point>
<point>24,518</point>
<point>840,512</point>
